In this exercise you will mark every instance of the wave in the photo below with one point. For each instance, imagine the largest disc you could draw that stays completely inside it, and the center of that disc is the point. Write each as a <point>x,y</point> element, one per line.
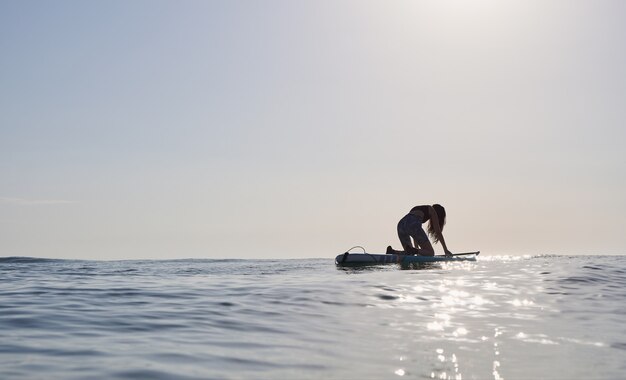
<point>26,260</point>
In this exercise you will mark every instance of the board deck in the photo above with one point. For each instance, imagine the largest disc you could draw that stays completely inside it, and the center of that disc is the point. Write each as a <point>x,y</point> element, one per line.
<point>347,259</point>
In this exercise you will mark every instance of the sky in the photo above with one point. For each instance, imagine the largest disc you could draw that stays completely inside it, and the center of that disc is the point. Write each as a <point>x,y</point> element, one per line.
<point>298,129</point>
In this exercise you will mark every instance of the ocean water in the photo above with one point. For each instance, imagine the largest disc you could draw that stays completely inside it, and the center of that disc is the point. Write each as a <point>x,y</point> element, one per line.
<point>506,317</point>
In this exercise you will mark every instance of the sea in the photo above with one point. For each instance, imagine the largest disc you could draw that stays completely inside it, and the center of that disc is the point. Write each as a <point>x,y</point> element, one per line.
<point>500,317</point>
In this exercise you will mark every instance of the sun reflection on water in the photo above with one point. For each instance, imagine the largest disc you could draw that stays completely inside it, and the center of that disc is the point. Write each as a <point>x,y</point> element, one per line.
<point>451,310</point>
<point>454,373</point>
<point>482,319</point>
<point>496,374</point>
<point>523,302</point>
<point>460,331</point>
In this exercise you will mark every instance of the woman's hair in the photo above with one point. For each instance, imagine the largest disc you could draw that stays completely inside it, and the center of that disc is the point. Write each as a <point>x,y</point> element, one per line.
<point>441,215</point>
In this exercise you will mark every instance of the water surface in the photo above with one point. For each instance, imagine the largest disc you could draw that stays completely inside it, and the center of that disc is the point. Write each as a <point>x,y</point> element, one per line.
<point>548,317</point>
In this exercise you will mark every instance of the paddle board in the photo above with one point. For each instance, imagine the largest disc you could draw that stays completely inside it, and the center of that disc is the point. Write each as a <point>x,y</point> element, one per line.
<point>347,259</point>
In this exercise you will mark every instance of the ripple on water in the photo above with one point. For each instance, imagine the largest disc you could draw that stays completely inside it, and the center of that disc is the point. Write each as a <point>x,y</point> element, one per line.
<point>306,319</point>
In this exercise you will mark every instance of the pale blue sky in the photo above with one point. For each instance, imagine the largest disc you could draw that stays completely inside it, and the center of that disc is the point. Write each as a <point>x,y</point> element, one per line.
<point>276,129</point>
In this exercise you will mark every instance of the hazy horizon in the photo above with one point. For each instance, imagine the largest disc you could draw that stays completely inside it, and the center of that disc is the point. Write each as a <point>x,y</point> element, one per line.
<point>293,129</point>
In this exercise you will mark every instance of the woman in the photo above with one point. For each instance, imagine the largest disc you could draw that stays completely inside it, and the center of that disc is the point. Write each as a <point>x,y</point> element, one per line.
<point>411,227</point>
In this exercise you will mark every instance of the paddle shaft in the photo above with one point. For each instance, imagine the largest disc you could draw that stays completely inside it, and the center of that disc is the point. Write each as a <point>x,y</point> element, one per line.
<point>454,254</point>
<point>466,253</point>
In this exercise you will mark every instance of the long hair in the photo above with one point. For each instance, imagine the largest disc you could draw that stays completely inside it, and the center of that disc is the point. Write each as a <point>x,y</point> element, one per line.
<point>441,215</point>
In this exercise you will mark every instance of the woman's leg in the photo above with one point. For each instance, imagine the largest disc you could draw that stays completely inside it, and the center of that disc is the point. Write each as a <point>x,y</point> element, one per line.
<point>404,236</point>
<point>425,248</point>
<point>422,243</point>
<point>405,240</point>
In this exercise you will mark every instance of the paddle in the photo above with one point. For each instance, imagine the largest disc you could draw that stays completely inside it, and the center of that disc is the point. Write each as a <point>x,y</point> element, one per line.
<point>391,250</point>
<point>466,253</point>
